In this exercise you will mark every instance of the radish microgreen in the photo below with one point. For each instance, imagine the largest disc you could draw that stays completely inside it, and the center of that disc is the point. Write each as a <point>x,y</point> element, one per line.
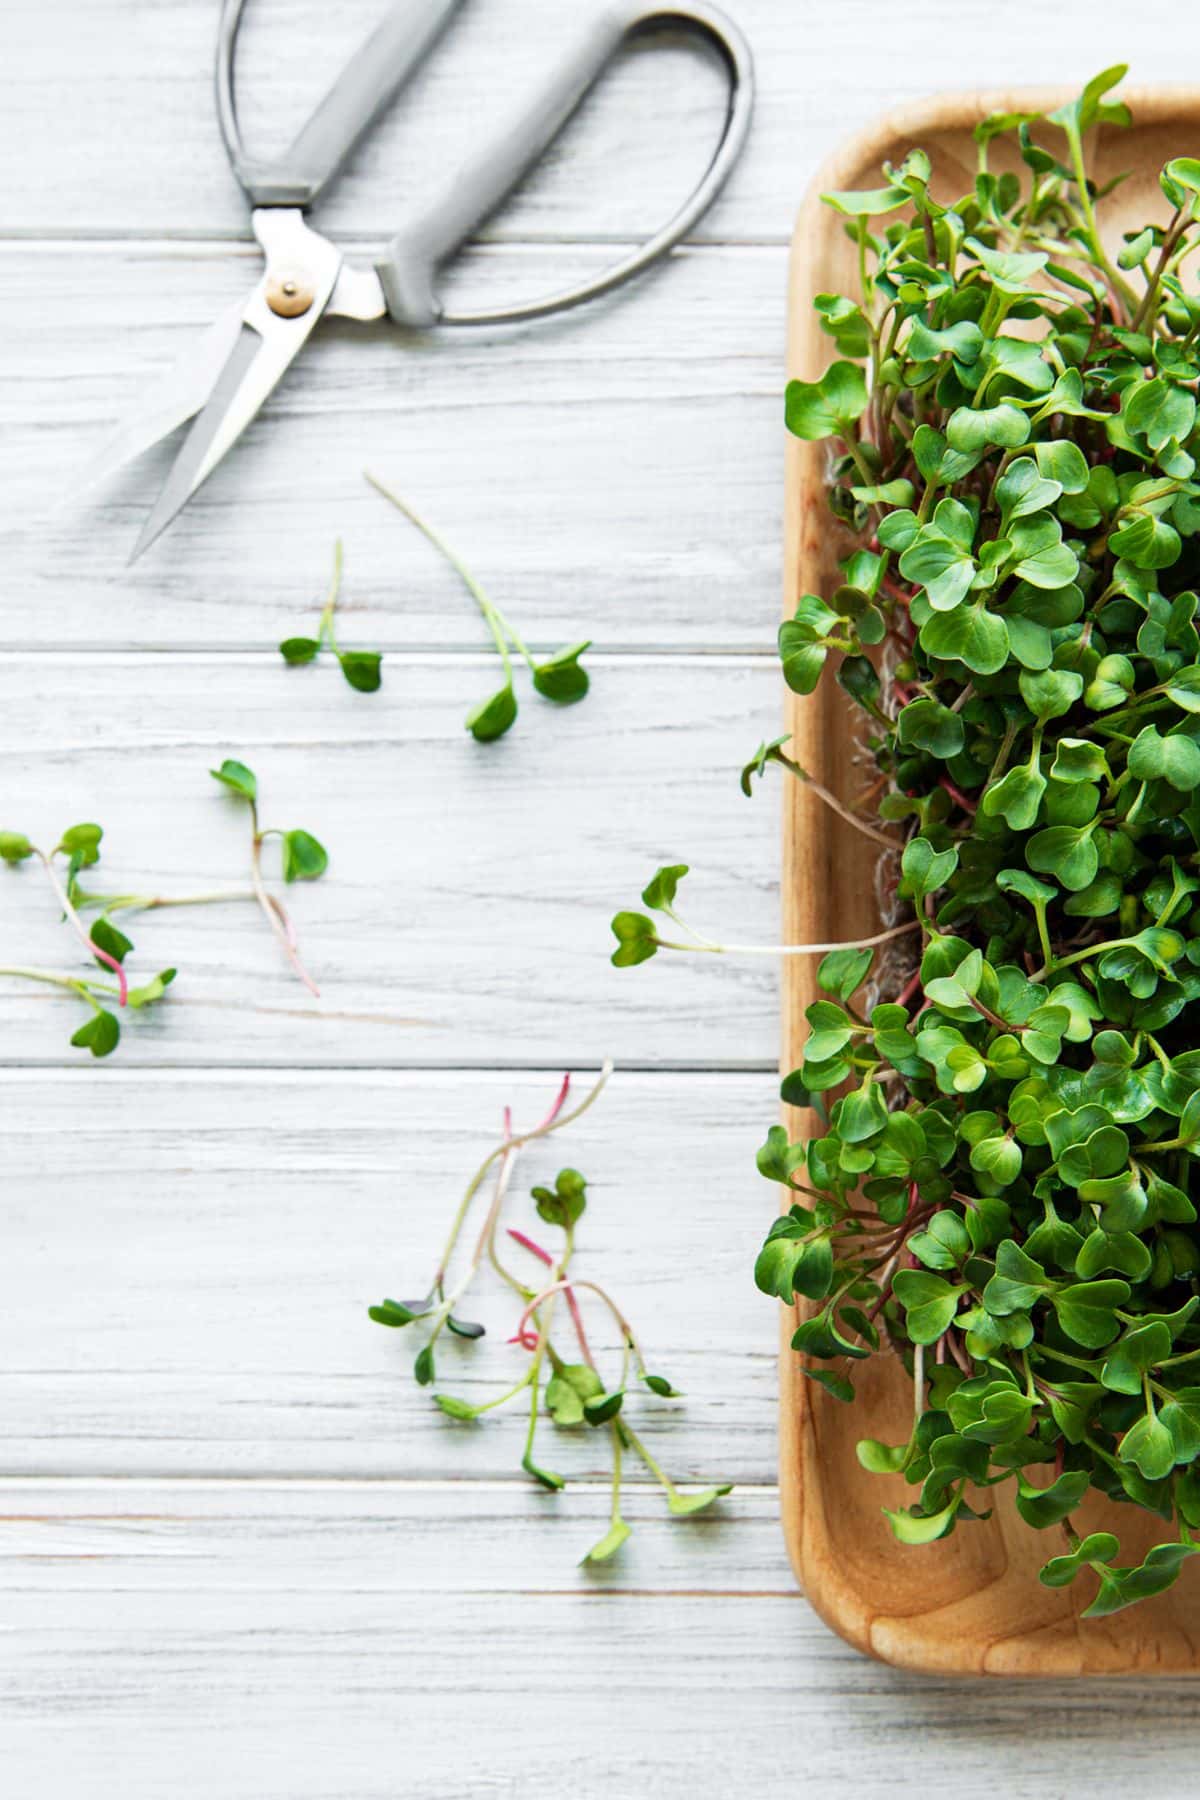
<point>302,858</point>
<point>570,1388</point>
<point>78,848</point>
<point>999,1190</point>
<point>560,677</point>
<point>361,668</point>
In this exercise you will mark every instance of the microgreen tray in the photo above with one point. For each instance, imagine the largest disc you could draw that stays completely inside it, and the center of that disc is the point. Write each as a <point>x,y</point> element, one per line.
<point>970,1603</point>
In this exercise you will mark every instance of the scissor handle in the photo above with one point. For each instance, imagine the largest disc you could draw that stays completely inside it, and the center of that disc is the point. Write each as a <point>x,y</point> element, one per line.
<point>410,264</point>
<point>368,83</point>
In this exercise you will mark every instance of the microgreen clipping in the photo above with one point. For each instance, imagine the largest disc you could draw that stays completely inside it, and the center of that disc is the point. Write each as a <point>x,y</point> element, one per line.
<point>571,1389</point>
<point>361,668</point>
<point>106,943</point>
<point>77,849</point>
<point>560,677</point>
<point>1000,1192</point>
<point>302,858</point>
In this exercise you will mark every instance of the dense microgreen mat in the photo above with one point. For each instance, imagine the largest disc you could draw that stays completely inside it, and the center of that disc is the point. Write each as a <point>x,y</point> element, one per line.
<point>1008,1095</point>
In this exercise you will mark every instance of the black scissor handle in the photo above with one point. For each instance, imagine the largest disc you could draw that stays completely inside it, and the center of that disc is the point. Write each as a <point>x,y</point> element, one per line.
<point>366,86</point>
<point>409,267</point>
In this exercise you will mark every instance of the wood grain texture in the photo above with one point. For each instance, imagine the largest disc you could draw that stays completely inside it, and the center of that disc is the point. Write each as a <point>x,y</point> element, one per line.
<point>465,915</point>
<point>194,1300</point>
<point>630,467</point>
<point>971,1603</point>
<point>139,80</point>
<point>332,1641</point>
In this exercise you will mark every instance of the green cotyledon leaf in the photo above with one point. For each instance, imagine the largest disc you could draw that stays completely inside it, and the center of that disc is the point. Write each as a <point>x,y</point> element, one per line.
<point>996,1075</point>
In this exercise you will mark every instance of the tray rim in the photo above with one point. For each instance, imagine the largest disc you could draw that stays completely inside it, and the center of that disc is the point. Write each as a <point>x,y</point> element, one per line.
<point>804,820</point>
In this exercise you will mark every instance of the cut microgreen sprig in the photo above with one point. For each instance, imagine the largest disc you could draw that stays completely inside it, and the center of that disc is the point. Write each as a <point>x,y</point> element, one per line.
<point>303,858</point>
<point>1001,1190</point>
<point>361,668</point>
<point>560,677</point>
<point>79,848</point>
<point>638,936</point>
<point>570,1389</point>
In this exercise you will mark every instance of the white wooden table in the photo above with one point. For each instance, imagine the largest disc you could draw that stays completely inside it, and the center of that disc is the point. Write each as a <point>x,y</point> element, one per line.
<point>242,1556</point>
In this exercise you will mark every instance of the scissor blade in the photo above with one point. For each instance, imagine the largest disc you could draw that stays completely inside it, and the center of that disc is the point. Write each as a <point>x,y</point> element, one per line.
<point>170,402</point>
<point>186,471</point>
<point>266,345</point>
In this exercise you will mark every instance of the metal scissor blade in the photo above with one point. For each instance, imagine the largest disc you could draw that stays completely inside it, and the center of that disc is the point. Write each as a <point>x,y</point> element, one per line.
<point>185,476</point>
<point>266,344</point>
<point>170,402</point>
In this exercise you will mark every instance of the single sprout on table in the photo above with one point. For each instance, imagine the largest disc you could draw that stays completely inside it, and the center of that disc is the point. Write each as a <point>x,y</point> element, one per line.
<point>302,859</point>
<point>638,937</point>
<point>569,1388</point>
<point>361,668</point>
<point>560,677</point>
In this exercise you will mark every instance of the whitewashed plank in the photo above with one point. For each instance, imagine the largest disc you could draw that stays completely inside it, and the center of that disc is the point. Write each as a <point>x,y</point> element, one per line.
<point>290,1643</point>
<point>465,914</point>
<point>616,474</point>
<point>184,1282</point>
<point>142,154</point>
<point>411,1538</point>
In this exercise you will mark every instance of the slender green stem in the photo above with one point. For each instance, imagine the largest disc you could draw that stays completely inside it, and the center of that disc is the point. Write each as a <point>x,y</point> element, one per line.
<point>274,911</point>
<point>111,903</point>
<point>81,930</point>
<point>504,1174</point>
<point>843,811</point>
<point>325,628</point>
<point>21,972</point>
<point>509,1393</point>
<point>617,1447</point>
<point>656,1469</point>
<point>534,1379</point>
<point>506,1146</point>
<point>493,618</point>
<point>862,943</point>
<point>1121,289</point>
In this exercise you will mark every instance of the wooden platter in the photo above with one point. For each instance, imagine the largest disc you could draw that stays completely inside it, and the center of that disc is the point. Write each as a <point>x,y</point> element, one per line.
<point>973,1603</point>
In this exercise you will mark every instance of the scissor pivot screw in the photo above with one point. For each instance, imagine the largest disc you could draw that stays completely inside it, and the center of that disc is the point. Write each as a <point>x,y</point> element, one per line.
<point>290,293</point>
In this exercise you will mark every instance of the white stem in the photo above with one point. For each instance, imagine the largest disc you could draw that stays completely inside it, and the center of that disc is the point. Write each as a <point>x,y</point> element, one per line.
<point>863,943</point>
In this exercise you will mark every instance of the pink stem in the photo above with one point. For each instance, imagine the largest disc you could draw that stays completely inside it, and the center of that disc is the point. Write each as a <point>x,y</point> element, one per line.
<point>560,1287</point>
<point>559,1103</point>
<point>956,793</point>
<point>278,917</point>
<point>118,971</point>
<point>110,962</point>
<point>568,1293</point>
<point>285,919</point>
<point>909,989</point>
<point>528,1244</point>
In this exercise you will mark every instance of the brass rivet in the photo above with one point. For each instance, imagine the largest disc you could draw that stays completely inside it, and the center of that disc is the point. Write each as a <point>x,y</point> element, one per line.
<point>290,294</point>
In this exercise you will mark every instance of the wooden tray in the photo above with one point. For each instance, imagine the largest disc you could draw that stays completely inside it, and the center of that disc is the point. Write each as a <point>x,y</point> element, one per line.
<point>972,1604</point>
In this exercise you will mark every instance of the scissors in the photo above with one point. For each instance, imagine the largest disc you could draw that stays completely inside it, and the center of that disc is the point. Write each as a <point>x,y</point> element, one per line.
<point>226,378</point>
